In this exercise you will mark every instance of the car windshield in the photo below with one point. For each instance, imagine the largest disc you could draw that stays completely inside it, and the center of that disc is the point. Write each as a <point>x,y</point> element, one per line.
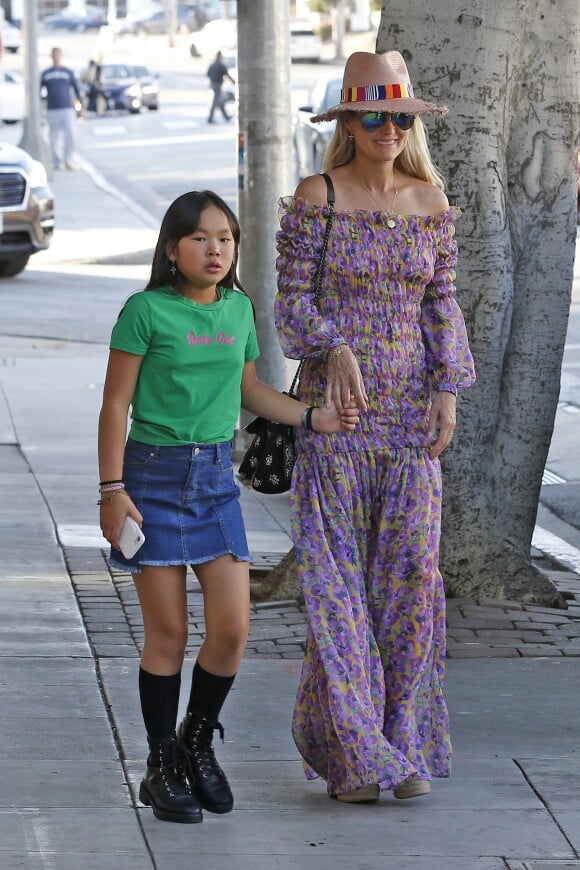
<point>332,96</point>
<point>139,71</point>
<point>115,71</point>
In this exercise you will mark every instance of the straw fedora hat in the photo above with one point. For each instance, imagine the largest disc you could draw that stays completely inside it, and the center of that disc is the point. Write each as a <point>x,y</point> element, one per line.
<point>378,83</point>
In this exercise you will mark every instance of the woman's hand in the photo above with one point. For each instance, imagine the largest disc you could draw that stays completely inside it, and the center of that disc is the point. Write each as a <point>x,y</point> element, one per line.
<point>442,422</point>
<point>113,513</point>
<point>330,419</point>
<point>345,380</point>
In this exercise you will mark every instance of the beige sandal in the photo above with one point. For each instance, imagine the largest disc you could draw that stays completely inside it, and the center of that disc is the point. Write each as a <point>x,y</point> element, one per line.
<point>365,795</point>
<point>411,788</point>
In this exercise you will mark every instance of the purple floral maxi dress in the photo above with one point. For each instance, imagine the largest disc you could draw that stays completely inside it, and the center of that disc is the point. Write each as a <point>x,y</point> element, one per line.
<point>366,505</point>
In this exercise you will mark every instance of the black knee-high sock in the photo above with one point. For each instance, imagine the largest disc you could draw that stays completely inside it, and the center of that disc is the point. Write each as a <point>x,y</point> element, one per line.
<point>208,692</point>
<point>159,703</point>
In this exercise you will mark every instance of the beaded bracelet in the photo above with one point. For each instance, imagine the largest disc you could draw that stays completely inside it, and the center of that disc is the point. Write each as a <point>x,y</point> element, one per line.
<point>113,487</point>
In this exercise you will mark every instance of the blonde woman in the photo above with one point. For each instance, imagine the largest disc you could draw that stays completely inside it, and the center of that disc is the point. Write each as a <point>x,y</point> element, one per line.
<point>370,712</point>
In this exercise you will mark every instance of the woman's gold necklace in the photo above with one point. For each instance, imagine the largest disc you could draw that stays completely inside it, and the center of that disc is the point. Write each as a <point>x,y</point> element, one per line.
<point>394,192</point>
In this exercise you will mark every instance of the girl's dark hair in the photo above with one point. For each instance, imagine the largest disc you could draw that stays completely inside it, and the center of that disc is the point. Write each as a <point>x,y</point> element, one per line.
<point>181,219</point>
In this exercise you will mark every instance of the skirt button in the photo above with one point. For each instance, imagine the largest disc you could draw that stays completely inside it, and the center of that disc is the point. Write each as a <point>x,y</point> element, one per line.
<point>196,451</point>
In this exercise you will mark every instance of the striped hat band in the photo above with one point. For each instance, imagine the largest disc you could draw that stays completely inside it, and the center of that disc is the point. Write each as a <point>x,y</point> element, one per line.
<point>370,93</point>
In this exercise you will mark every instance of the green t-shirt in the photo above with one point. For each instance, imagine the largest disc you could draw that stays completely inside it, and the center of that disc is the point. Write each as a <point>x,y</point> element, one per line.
<point>189,385</point>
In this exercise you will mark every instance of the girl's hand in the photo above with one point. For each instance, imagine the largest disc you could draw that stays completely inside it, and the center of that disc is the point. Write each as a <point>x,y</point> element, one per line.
<point>345,380</point>
<point>442,421</point>
<point>330,419</point>
<point>113,515</point>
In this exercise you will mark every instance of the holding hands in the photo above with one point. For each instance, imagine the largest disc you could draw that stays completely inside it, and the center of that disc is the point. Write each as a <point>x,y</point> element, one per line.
<point>330,419</point>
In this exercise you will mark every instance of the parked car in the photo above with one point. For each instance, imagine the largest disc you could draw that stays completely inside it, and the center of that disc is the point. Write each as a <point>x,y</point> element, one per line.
<point>10,37</point>
<point>221,34</point>
<point>26,209</point>
<point>149,84</point>
<point>188,20</point>
<point>311,140</point>
<point>76,18</point>
<point>305,44</point>
<point>120,86</point>
<point>11,98</point>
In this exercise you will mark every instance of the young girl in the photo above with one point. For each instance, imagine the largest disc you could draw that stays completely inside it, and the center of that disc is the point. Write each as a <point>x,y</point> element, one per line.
<point>182,356</point>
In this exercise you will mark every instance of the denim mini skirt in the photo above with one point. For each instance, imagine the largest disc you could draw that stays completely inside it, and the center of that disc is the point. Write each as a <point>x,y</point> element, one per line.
<point>190,504</point>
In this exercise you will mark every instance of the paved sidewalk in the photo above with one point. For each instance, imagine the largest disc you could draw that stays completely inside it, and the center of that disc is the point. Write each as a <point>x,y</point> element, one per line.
<point>71,738</point>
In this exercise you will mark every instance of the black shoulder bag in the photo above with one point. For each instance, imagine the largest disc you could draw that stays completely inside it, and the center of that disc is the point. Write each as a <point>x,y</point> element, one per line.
<point>269,460</point>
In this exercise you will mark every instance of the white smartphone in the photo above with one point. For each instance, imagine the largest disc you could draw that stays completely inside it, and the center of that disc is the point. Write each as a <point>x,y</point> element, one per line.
<point>132,538</point>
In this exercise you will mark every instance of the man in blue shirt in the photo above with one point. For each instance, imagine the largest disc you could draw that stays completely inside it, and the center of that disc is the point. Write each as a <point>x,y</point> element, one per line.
<point>61,87</point>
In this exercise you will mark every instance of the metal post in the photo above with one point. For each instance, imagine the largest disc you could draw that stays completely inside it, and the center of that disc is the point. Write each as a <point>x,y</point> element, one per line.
<point>32,139</point>
<point>339,29</point>
<point>265,162</point>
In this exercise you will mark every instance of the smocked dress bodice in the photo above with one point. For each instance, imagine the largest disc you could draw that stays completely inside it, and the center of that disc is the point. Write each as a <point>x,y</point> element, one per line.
<point>388,292</point>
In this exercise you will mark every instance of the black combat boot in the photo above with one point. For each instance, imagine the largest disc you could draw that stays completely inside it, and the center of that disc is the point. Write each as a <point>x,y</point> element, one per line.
<point>207,779</point>
<point>164,786</point>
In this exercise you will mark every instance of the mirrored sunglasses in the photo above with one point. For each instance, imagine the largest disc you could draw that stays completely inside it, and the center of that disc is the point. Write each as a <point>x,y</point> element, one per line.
<point>375,120</point>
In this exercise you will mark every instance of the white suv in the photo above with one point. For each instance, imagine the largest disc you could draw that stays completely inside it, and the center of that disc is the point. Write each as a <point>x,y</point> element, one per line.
<point>26,209</point>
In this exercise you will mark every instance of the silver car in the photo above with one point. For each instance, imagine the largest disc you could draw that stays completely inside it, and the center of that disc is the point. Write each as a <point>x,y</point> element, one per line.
<point>311,140</point>
<point>26,209</point>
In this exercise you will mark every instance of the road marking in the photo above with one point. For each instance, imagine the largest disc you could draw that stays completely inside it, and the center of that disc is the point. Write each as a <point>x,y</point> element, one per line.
<point>557,548</point>
<point>180,125</point>
<point>111,130</point>
<point>550,477</point>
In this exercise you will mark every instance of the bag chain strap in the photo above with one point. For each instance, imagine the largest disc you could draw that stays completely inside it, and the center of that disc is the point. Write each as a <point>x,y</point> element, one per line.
<point>319,267</point>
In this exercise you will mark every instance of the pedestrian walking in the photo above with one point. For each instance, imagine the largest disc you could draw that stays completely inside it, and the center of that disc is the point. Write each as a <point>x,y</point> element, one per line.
<point>59,84</point>
<point>217,72</point>
<point>370,712</point>
<point>182,357</point>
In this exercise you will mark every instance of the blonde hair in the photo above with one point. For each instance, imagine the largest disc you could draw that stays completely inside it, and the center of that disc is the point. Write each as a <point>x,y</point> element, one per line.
<point>415,160</point>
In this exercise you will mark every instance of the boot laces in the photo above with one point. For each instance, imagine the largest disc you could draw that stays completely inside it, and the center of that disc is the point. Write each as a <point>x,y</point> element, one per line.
<point>201,748</point>
<point>172,770</point>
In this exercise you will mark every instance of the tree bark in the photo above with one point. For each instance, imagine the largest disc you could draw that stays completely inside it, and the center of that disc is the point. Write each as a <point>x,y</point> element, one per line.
<point>508,70</point>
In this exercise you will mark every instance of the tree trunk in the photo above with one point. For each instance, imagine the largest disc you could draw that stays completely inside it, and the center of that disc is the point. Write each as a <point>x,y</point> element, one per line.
<point>508,71</point>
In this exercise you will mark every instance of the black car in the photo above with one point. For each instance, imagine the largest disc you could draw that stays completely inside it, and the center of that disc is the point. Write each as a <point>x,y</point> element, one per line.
<point>26,209</point>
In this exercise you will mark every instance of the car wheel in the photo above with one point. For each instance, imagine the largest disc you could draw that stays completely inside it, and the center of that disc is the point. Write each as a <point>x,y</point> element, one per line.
<point>135,110</point>
<point>193,50</point>
<point>9,268</point>
<point>153,107</point>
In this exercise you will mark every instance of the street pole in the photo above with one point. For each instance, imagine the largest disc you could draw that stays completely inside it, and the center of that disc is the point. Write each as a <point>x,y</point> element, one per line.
<point>32,139</point>
<point>264,162</point>
<point>339,30</point>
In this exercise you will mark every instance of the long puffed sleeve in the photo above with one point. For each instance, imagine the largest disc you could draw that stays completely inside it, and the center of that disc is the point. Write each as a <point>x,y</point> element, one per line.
<point>302,331</point>
<point>448,357</point>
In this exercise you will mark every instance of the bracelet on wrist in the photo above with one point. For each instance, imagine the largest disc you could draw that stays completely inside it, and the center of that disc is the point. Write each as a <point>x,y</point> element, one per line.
<point>107,482</point>
<point>335,352</point>
<point>110,496</point>
<point>113,487</point>
<point>307,419</point>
